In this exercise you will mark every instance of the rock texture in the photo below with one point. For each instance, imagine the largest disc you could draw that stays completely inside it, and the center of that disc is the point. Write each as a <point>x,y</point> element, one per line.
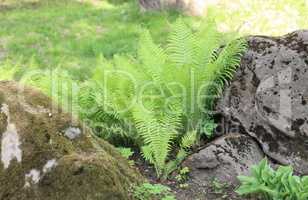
<point>268,97</point>
<point>47,155</point>
<point>225,158</point>
<point>220,163</point>
<point>263,112</point>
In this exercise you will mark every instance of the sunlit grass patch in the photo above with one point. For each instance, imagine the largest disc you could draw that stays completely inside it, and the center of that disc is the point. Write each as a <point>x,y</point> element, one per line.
<point>262,17</point>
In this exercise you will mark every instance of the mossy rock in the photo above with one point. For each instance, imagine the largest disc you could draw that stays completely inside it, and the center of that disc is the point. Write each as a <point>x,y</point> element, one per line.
<point>47,154</point>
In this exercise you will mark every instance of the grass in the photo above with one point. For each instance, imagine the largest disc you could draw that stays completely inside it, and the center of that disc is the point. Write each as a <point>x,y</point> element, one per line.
<point>73,34</point>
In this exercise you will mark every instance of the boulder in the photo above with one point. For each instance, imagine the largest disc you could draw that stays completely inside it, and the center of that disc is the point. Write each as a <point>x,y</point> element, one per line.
<point>268,97</point>
<point>214,169</point>
<point>47,154</point>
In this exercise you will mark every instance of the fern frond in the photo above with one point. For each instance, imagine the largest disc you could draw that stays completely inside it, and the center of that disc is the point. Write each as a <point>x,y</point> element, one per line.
<point>156,135</point>
<point>220,71</point>
<point>209,39</point>
<point>147,153</point>
<point>230,56</point>
<point>151,56</point>
<point>182,44</point>
<point>189,139</point>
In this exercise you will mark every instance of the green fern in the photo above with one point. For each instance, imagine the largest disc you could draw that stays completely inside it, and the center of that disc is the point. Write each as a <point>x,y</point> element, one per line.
<point>156,101</point>
<point>182,44</point>
<point>159,92</point>
<point>158,134</point>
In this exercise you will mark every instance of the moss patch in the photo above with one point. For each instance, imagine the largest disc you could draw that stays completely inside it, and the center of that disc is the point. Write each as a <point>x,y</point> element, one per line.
<point>87,168</point>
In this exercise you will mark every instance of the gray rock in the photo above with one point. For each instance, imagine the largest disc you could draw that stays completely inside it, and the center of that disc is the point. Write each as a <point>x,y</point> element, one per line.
<point>221,162</point>
<point>268,97</point>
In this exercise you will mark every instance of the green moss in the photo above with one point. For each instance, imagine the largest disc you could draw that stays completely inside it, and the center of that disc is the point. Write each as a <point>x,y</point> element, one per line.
<point>78,170</point>
<point>87,168</point>
<point>3,121</point>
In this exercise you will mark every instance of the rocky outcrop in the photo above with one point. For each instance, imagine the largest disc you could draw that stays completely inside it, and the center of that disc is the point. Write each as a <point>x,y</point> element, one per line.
<point>46,154</point>
<point>263,112</point>
<point>268,97</point>
<point>220,163</point>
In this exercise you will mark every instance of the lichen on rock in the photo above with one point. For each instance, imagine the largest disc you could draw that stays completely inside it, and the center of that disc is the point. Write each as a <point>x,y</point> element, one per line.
<point>10,142</point>
<point>49,165</point>
<point>72,133</point>
<point>33,176</point>
<point>268,97</point>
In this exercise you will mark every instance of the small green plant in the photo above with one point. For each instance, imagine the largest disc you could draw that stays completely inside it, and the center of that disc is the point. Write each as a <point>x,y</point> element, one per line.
<point>148,191</point>
<point>271,184</point>
<point>218,186</point>
<point>183,175</point>
<point>126,153</point>
<point>209,127</point>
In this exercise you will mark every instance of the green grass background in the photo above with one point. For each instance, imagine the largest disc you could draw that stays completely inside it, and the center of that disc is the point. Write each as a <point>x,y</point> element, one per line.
<point>72,34</point>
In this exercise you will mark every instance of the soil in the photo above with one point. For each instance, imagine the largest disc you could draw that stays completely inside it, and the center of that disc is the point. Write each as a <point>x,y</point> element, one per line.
<point>217,191</point>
